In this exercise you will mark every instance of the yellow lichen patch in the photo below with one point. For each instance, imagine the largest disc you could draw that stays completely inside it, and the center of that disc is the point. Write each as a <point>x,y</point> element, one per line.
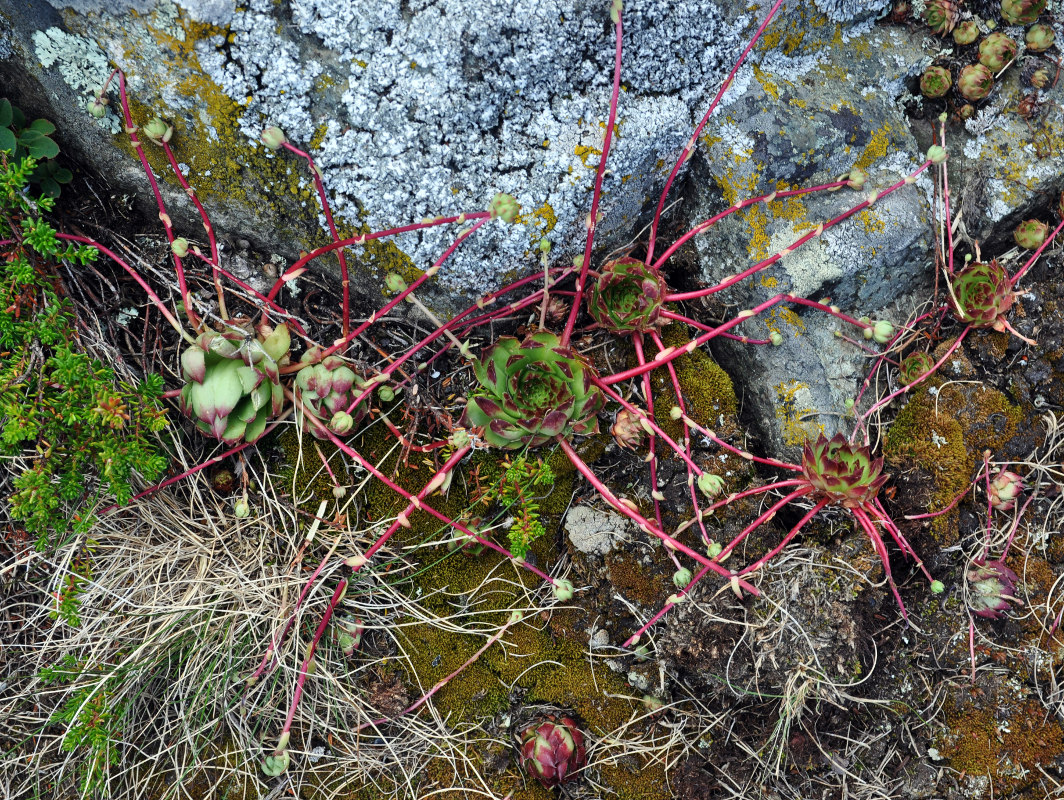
<point>789,208</point>
<point>783,320</point>
<point>767,84</point>
<point>795,417</point>
<point>539,222</point>
<point>945,434</point>
<point>870,221</point>
<point>877,147</point>
<point>583,152</point>
<point>758,243</point>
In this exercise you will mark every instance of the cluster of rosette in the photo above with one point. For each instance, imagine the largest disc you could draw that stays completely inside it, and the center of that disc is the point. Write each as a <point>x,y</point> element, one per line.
<point>325,389</point>
<point>232,381</point>
<point>533,391</point>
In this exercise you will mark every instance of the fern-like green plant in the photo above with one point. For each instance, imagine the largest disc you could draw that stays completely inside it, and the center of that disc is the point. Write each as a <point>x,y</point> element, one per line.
<point>517,493</point>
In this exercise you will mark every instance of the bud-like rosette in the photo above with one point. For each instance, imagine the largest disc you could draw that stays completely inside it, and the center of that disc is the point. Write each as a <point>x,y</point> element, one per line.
<point>273,137</point>
<point>627,430</point>
<point>325,389</point>
<point>1030,234</point>
<point>462,541</point>
<point>996,50</point>
<point>1022,12</point>
<point>347,633</point>
<point>1038,76</point>
<point>914,366</point>
<point>1039,38</point>
<point>975,82</point>
<point>505,207</point>
<point>532,392</point>
<point>628,296</point>
<point>992,587</point>
<point>844,473</point>
<point>158,131</point>
<point>981,295</point>
<point>941,15</point>
<point>935,82</point>
<point>1004,489</point>
<point>233,383</point>
<point>966,32</point>
<point>552,750</point>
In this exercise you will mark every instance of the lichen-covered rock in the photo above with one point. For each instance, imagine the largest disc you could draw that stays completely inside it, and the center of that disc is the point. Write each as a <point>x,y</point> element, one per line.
<point>371,91</point>
<point>797,122</point>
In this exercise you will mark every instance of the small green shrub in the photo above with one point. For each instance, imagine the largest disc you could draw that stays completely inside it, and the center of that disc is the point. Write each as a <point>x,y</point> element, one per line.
<point>82,430</point>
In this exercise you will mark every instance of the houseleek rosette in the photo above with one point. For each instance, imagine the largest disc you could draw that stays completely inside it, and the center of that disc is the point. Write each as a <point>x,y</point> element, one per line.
<point>552,750</point>
<point>992,588</point>
<point>233,383</point>
<point>914,366</point>
<point>842,472</point>
<point>325,389</point>
<point>981,294</point>
<point>533,391</point>
<point>628,296</point>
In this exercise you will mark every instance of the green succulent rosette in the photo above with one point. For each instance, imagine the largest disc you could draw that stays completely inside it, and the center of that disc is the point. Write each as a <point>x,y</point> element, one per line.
<point>533,391</point>
<point>1022,12</point>
<point>975,82</point>
<point>628,296</point>
<point>996,50</point>
<point>233,382</point>
<point>935,82</point>
<point>842,472</point>
<point>325,389</point>
<point>914,366</point>
<point>941,16</point>
<point>981,295</point>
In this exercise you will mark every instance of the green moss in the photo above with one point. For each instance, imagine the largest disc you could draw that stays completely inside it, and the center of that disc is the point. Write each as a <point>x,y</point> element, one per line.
<point>642,781</point>
<point>1005,740</point>
<point>944,429</point>
<point>707,388</point>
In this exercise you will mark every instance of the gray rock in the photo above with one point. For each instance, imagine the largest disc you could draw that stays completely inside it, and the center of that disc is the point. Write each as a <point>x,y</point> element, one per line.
<point>803,120</point>
<point>593,531</point>
<point>411,109</point>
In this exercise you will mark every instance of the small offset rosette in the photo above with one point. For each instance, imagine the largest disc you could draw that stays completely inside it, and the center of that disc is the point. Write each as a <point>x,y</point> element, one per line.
<point>325,390</point>
<point>842,472</point>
